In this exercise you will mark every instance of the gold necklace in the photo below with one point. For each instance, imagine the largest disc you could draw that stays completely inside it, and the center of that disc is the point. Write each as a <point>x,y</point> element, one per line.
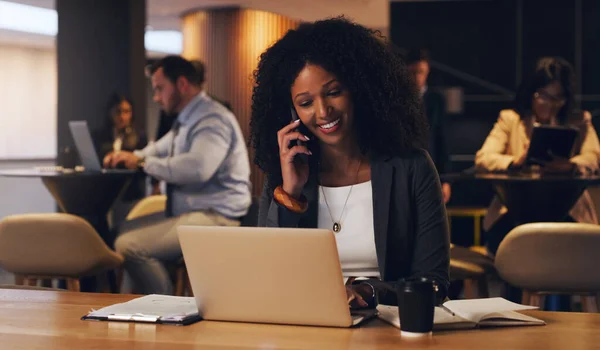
<point>337,226</point>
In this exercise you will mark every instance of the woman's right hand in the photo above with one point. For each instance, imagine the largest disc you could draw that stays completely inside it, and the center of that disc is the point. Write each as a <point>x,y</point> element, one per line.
<point>293,171</point>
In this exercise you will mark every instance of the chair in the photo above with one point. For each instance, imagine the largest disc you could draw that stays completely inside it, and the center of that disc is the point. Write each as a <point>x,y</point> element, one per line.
<point>472,265</point>
<point>182,280</point>
<point>552,258</point>
<point>476,213</point>
<point>473,268</point>
<point>148,205</point>
<point>251,217</point>
<point>48,246</point>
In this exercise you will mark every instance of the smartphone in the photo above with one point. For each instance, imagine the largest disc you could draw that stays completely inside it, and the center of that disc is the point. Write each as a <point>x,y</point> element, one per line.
<point>302,129</point>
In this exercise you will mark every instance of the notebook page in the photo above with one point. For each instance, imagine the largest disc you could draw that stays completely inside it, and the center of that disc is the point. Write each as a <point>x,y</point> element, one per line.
<point>509,318</point>
<point>163,306</point>
<point>476,309</point>
<point>441,318</point>
<point>389,314</point>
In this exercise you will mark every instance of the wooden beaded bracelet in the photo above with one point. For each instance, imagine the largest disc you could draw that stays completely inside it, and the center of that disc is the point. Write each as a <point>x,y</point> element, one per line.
<point>291,203</point>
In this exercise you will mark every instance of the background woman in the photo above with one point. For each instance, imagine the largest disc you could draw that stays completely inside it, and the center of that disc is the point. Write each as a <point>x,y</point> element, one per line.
<point>547,98</point>
<point>120,134</point>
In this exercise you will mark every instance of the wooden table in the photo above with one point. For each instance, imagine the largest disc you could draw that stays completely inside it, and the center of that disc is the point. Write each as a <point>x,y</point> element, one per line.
<point>51,320</point>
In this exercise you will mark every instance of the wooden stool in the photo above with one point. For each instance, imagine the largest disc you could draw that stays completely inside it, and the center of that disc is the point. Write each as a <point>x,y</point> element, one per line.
<point>473,268</point>
<point>182,281</point>
<point>476,213</point>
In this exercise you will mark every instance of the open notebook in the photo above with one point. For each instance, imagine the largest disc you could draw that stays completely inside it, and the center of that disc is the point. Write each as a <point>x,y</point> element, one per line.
<point>152,308</point>
<point>472,313</point>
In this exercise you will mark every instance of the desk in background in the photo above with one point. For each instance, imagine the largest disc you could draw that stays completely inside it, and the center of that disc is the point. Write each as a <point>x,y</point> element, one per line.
<point>532,197</point>
<point>51,320</point>
<point>89,195</point>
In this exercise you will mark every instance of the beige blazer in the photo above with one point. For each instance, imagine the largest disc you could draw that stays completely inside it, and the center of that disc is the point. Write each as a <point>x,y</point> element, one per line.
<point>508,140</point>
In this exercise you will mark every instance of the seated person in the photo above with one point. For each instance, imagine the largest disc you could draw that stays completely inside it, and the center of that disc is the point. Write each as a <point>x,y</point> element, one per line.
<point>165,123</point>
<point>120,134</point>
<point>434,105</point>
<point>546,98</point>
<point>203,160</point>
<point>364,175</point>
<point>165,120</point>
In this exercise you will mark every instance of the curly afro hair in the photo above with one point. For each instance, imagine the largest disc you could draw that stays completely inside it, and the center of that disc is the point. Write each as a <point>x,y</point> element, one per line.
<point>388,115</point>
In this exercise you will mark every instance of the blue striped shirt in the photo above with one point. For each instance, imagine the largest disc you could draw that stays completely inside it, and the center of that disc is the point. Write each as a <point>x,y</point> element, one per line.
<point>208,166</point>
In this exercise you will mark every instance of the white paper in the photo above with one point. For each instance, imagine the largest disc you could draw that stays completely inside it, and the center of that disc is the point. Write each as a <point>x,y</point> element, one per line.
<point>476,309</point>
<point>469,311</point>
<point>165,307</point>
<point>509,318</point>
<point>440,316</point>
<point>389,314</point>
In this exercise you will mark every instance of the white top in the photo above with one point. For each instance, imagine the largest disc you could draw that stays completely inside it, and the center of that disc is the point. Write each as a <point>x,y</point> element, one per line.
<point>356,240</point>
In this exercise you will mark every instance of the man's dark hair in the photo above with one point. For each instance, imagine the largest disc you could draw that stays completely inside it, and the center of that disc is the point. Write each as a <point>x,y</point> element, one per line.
<point>177,66</point>
<point>200,70</point>
<point>417,55</point>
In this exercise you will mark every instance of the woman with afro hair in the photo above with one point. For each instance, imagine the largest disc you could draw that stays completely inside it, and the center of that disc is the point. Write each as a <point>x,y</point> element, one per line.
<point>337,129</point>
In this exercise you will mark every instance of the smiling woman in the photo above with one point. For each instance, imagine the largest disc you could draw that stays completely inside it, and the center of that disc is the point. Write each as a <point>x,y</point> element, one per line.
<point>359,128</point>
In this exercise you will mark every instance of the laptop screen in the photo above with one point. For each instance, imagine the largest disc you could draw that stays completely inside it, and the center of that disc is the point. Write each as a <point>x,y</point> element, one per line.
<point>85,145</point>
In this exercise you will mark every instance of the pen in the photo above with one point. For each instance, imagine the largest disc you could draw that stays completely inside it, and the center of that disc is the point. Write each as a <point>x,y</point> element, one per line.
<point>448,310</point>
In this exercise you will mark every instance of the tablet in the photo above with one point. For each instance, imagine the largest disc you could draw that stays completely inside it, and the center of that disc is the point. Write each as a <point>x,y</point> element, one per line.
<point>548,142</point>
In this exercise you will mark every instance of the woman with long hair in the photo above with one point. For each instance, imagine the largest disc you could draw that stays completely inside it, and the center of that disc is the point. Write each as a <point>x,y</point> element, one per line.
<point>120,134</point>
<point>337,127</point>
<point>547,97</point>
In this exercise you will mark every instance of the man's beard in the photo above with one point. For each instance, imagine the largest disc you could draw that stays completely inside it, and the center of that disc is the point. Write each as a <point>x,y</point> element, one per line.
<point>174,102</point>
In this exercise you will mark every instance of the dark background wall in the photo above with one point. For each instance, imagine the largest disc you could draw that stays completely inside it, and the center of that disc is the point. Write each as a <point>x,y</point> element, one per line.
<point>485,47</point>
<point>497,41</point>
<point>100,50</point>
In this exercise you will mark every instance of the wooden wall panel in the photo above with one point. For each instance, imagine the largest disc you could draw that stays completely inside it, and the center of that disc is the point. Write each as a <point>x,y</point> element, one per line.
<point>229,41</point>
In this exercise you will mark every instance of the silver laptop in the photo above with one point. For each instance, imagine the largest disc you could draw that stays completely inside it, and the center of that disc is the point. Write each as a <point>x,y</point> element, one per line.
<point>85,145</point>
<point>267,275</point>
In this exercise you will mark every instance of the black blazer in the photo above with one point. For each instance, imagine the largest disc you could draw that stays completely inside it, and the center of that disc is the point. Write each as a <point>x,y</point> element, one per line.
<point>435,108</point>
<point>409,217</point>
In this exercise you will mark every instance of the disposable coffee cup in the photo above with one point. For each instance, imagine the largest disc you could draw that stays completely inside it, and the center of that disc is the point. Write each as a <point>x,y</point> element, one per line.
<point>416,302</point>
